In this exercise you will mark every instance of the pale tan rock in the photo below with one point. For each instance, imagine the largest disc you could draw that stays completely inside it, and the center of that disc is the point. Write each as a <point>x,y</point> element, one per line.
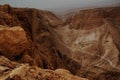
<point>26,72</point>
<point>92,39</point>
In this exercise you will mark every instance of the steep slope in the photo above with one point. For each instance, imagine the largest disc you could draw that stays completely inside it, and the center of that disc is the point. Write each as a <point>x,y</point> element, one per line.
<point>41,50</point>
<point>14,43</point>
<point>91,38</point>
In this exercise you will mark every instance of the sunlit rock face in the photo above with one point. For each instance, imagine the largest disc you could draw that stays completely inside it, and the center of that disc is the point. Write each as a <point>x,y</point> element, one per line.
<point>95,43</point>
<point>91,38</point>
<point>15,71</point>
<point>13,41</point>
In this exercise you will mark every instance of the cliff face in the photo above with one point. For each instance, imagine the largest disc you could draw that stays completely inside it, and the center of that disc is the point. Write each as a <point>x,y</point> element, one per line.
<point>87,19</point>
<point>87,44</point>
<point>91,38</point>
<point>41,50</point>
<point>35,25</point>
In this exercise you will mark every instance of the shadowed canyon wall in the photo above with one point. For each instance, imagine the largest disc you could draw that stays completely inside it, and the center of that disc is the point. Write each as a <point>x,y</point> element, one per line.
<point>87,44</point>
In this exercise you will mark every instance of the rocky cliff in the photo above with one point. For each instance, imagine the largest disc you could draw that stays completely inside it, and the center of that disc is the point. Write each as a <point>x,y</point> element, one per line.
<point>87,44</point>
<point>41,50</point>
<point>15,45</point>
<point>91,38</point>
<point>33,42</point>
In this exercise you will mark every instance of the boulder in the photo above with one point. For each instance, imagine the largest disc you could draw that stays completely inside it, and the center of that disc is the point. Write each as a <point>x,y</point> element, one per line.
<point>13,41</point>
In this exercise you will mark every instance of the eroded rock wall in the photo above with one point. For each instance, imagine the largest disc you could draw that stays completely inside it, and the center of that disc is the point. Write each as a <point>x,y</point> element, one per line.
<point>91,38</point>
<point>41,50</point>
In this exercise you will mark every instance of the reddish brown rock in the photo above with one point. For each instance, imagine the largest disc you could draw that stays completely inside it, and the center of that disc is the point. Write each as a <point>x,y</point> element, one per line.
<point>13,40</point>
<point>88,19</point>
<point>41,50</point>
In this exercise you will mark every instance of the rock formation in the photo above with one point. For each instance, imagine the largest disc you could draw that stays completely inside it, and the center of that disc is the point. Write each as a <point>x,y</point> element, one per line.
<point>39,50</point>
<point>13,41</point>
<point>86,44</point>
<point>91,38</point>
<point>14,71</point>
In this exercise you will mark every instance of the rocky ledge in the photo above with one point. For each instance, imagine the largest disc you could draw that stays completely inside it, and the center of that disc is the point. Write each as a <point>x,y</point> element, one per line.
<point>14,71</point>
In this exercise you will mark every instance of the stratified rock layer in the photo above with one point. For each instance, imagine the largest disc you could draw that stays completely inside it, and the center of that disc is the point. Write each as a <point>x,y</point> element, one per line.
<point>91,38</point>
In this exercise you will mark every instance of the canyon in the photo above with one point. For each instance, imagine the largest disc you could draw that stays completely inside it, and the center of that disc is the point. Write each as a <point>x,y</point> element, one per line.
<point>86,44</point>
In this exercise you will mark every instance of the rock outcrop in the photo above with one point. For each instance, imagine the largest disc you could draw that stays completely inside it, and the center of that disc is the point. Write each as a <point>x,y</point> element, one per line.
<point>41,50</point>
<point>13,41</point>
<point>35,24</point>
<point>14,71</point>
